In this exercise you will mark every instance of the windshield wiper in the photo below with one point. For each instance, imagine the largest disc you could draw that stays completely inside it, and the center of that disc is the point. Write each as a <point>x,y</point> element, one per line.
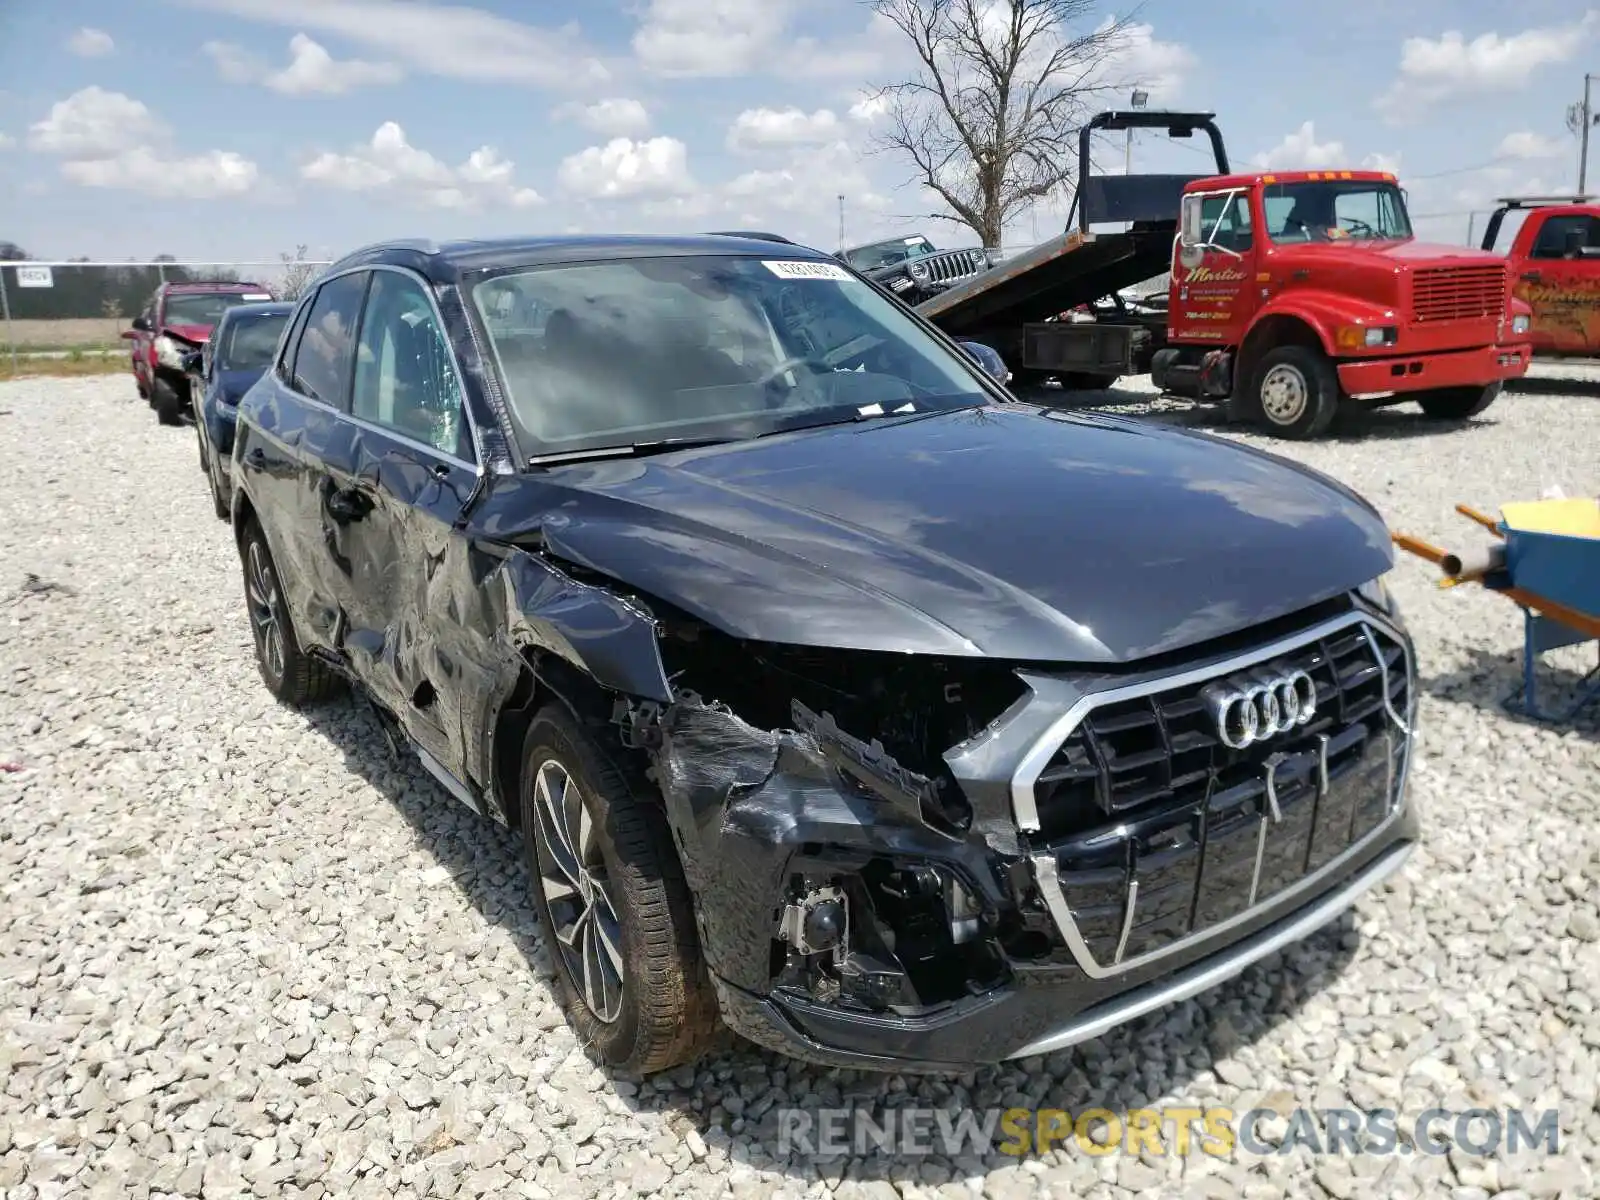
<point>630,450</point>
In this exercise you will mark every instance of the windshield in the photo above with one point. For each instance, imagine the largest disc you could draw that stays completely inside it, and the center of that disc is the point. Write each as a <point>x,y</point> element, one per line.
<point>661,349</point>
<point>884,254</point>
<point>201,308</point>
<point>1334,210</point>
<point>252,342</point>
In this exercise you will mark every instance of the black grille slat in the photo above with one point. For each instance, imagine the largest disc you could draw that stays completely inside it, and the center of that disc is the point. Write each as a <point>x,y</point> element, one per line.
<point>1155,763</point>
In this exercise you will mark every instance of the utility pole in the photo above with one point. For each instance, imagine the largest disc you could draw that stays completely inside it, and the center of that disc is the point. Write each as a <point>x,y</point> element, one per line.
<point>841,222</point>
<point>1580,119</point>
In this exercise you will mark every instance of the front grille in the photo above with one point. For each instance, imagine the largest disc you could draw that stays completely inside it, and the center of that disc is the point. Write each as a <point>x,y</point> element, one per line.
<point>955,264</point>
<point>1458,293</point>
<point>1159,831</point>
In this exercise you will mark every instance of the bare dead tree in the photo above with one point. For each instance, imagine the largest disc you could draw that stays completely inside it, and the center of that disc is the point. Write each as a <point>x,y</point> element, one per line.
<point>297,272</point>
<point>990,120</point>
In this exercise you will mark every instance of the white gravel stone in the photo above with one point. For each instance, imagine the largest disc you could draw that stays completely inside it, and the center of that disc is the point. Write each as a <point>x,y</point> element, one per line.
<point>242,952</point>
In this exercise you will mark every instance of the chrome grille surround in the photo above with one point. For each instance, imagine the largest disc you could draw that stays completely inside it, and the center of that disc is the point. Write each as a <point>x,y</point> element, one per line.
<point>1357,628</point>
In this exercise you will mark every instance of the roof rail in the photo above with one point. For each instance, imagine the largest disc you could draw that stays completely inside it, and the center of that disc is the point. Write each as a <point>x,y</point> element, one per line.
<point>754,234</point>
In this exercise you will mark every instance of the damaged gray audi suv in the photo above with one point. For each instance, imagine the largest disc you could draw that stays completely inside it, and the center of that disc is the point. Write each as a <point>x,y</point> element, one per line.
<point>836,694</point>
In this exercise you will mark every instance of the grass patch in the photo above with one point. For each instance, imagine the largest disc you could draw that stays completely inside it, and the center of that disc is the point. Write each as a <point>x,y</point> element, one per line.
<point>62,368</point>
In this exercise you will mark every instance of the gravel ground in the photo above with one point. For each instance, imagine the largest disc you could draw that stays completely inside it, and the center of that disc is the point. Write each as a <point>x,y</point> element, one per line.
<point>242,952</point>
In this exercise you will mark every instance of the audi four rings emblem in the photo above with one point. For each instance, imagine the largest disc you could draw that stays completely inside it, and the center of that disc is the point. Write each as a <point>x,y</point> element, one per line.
<point>1256,705</point>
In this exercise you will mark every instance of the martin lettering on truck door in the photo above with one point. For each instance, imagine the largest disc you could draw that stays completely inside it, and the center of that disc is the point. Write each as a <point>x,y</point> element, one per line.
<point>1560,280</point>
<point>1210,271</point>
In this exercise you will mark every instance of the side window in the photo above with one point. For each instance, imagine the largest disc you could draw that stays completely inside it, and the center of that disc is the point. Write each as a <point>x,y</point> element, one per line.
<point>1556,238</point>
<point>405,378</point>
<point>322,359</point>
<point>1227,220</point>
<point>284,368</point>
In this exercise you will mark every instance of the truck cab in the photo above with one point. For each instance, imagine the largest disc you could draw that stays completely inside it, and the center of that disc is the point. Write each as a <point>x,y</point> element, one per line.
<point>1554,261</point>
<point>1293,292</point>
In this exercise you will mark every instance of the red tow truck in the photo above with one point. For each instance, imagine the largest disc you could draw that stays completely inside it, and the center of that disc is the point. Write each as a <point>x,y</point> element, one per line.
<point>176,322</point>
<point>1291,294</point>
<point>1555,267</point>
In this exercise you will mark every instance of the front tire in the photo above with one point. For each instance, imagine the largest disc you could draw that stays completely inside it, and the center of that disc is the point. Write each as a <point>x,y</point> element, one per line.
<point>1294,392</point>
<point>612,902</point>
<point>1458,404</point>
<point>293,677</point>
<point>166,400</point>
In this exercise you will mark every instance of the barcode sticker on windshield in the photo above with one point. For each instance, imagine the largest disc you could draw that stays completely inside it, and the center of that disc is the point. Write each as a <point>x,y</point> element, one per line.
<point>790,269</point>
<point>255,296</point>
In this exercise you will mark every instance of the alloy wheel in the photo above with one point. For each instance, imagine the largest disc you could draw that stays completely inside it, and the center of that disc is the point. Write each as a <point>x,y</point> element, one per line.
<point>261,590</point>
<point>577,890</point>
<point>1284,394</point>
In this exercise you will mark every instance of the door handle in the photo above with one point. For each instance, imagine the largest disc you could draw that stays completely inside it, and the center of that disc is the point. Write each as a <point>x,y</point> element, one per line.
<point>345,504</point>
<point>256,457</point>
<point>441,471</point>
<point>1533,276</point>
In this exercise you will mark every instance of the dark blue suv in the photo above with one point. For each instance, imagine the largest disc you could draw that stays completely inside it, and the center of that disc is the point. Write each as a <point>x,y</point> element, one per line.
<point>833,692</point>
<point>239,351</point>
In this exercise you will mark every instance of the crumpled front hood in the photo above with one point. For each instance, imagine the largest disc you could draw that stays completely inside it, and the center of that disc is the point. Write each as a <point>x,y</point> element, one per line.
<point>1012,532</point>
<point>198,335</point>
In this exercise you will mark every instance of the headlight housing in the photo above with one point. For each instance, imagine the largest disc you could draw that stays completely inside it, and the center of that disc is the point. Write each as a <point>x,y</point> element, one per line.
<point>1521,323</point>
<point>1350,337</point>
<point>918,270</point>
<point>1376,593</point>
<point>169,353</point>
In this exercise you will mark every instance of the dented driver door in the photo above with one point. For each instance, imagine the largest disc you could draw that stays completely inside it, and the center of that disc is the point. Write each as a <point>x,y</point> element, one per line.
<point>395,492</point>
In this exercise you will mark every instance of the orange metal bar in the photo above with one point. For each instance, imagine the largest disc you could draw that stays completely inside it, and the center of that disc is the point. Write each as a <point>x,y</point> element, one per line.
<point>1483,519</point>
<point>1419,547</point>
<point>1582,622</point>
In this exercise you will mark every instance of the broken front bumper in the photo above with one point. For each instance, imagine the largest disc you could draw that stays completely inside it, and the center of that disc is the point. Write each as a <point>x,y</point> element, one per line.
<point>1118,858</point>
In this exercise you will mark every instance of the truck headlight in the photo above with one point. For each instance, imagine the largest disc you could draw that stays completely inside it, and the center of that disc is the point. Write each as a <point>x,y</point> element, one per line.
<point>1371,336</point>
<point>918,270</point>
<point>1521,323</point>
<point>169,353</point>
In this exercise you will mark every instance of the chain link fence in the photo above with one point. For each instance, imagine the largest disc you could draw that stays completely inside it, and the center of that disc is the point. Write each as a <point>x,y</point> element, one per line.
<point>79,308</point>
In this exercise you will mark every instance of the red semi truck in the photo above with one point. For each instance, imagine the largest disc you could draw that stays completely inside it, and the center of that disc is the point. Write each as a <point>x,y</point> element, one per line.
<point>1555,269</point>
<point>1292,293</point>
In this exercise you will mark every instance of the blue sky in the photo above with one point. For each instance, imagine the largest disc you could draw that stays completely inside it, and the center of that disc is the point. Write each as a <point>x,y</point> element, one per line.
<point>233,129</point>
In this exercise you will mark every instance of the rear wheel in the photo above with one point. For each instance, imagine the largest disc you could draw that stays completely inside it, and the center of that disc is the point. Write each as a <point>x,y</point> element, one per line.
<point>612,902</point>
<point>1295,392</point>
<point>1457,404</point>
<point>290,675</point>
<point>167,401</point>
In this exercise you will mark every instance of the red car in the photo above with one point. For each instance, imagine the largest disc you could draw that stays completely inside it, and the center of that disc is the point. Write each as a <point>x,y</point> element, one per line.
<point>177,322</point>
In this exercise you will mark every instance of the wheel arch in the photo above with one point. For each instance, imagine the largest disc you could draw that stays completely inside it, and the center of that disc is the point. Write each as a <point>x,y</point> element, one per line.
<point>1274,330</point>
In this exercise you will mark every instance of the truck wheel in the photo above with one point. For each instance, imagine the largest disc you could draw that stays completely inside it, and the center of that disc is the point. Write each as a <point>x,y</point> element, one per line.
<point>1295,392</point>
<point>164,398</point>
<point>291,675</point>
<point>613,906</point>
<point>1457,404</point>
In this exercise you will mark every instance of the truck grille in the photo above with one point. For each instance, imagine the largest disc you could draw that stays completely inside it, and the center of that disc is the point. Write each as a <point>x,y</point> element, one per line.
<point>1159,832</point>
<point>955,264</point>
<point>1458,293</point>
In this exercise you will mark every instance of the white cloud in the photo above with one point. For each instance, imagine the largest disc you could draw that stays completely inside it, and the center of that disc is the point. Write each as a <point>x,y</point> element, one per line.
<point>91,43</point>
<point>1433,70</point>
<point>1524,144</point>
<point>756,128</point>
<point>807,184</point>
<point>311,70</point>
<point>869,107</point>
<point>1379,161</point>
<point>454,40</point>
<point>7,141</point>
<point>216,173</point>
<point>1300,151</point>
<point>709,37</point>
<point>1155,66</point>
<point>93,123</point>
<point>623,167</point>
<point>613,117</point>
<point>389,163</point>
<point>110,140</point>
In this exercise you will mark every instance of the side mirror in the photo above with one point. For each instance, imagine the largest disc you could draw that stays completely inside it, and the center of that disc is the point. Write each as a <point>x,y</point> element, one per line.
<point>142,323</point>
<point>128,335</point>
<point>192,361</point>
<point>989,359</point>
